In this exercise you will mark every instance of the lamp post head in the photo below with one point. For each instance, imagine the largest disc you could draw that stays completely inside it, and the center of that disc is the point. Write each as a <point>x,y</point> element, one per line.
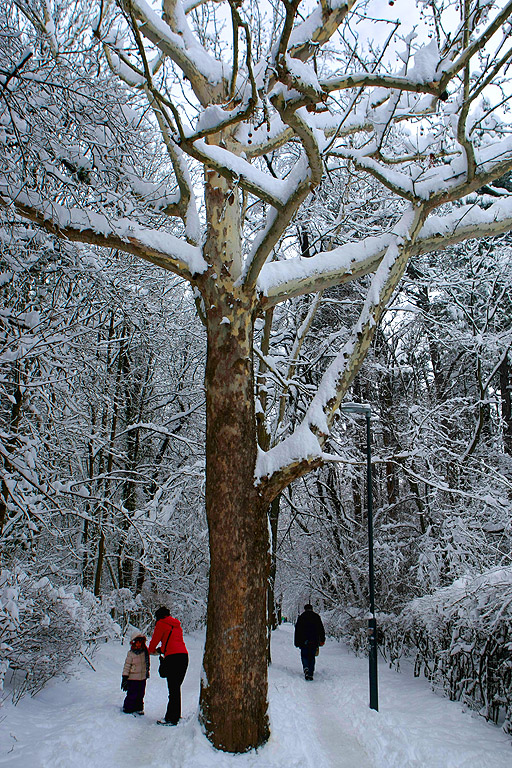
<point>363,408</point>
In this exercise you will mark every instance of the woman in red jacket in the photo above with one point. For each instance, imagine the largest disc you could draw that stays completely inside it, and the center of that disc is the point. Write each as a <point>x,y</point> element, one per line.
<point>168,641</point>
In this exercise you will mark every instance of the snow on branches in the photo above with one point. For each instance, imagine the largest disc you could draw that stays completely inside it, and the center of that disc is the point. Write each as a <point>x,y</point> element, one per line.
<point>424,118</point>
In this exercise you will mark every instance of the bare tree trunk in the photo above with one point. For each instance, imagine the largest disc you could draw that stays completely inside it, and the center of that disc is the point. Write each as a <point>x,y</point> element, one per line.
<point>13,428</point>
<point>141,576</point>
<point>234,685</point>
<point>506,403</point>
<point>272,608</point>
<point>235,659</point>
<point>99,565</point>
<point>4,495</point>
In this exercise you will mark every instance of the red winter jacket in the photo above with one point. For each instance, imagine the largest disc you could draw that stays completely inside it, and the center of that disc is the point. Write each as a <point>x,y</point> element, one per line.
<point>168,634</point>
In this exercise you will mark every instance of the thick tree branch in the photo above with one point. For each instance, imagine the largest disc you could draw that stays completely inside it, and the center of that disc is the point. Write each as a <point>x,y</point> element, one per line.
<point>400,183</point>
<point>317,28</point>
<point>158,247</point>
<point>289,459</point>
<point>373,80</point>
<point>277,223</point>
<point>290,13</point>
<point>178,42</point>
<point>307,182</point>
<point>235,169</point>
<point>280,281</point>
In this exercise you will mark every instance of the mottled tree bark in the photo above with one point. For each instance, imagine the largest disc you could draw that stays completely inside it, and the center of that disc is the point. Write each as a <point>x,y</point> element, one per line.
<point>234,686</point>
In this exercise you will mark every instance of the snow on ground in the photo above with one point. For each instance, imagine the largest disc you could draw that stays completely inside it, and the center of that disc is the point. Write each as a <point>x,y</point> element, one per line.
<point>77,723</point>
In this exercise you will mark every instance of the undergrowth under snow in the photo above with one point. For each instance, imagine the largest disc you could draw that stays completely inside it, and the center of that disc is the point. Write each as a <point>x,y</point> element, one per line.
<point>77,723</point>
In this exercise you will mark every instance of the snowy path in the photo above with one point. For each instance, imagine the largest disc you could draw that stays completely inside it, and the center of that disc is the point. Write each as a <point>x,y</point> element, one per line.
<point>323,724</point>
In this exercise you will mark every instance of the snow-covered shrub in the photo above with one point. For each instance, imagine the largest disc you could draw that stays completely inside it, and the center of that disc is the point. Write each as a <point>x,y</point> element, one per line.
<point>126,609</point>
<point>99,621</point>
<point>43,627</point>
<point>347,623</point>
<point>462,639</point>
<point>40,629</point>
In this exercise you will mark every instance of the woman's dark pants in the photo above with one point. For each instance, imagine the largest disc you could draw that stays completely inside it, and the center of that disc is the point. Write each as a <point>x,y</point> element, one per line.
<point>176,664</point>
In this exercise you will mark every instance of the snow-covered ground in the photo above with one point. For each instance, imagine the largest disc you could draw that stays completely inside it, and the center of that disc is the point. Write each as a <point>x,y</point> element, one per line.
<point>77,723</point>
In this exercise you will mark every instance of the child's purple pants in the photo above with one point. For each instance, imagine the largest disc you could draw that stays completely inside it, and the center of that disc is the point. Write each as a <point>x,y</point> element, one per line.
<point>134,701</point>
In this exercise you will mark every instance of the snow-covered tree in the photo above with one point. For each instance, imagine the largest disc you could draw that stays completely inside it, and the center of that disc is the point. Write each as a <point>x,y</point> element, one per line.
<point>96,387</point>
<point>441,471</point>
<point>196,149</point>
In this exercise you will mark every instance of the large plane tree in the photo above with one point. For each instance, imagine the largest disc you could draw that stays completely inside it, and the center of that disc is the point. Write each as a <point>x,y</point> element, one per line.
<point>194,135</point>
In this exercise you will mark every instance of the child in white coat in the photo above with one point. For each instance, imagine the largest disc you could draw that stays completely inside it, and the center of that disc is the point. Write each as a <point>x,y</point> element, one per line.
<point>135,674</point>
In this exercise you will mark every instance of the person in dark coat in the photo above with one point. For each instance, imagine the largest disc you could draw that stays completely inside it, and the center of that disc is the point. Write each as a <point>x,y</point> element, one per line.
<point>309,635</point>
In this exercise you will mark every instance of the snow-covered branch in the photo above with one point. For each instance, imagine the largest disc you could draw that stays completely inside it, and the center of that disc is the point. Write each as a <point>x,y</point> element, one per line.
<point>302,450</point>
<point>80,225</point>
<point>186,206</point>
<point>281,280</point>
<point>277,223</point>
<point>318,27</point>
<point>175,39</point>
<point>375,80</point>
<point>471,49</point>
<point>234,168</point>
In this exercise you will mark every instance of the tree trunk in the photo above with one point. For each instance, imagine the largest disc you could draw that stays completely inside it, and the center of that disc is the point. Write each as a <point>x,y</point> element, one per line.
<point>99,565</point>
<point>234,686</point>
<point>506,404</point>
<point>272,607</point>
<point>13,428</point>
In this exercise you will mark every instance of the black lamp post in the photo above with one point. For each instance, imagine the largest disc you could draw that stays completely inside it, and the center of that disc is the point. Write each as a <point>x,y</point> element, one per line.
<point>365,409</point>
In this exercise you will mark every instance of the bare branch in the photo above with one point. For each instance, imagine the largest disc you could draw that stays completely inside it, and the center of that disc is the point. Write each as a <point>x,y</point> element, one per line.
<point>235,18</point>
<point>16,70</point>
<point>290,13</point>
<point>463,116</point>
<point>294,356</point>
<point>477,45</point>
<point>185,208</point>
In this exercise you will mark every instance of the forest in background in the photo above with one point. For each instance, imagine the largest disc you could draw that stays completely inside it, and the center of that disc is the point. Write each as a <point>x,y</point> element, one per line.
<point>102,504</point>
<point>102,434</point>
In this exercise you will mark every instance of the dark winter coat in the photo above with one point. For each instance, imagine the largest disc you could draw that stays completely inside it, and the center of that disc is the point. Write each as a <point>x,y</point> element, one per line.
<point>309,630</point>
